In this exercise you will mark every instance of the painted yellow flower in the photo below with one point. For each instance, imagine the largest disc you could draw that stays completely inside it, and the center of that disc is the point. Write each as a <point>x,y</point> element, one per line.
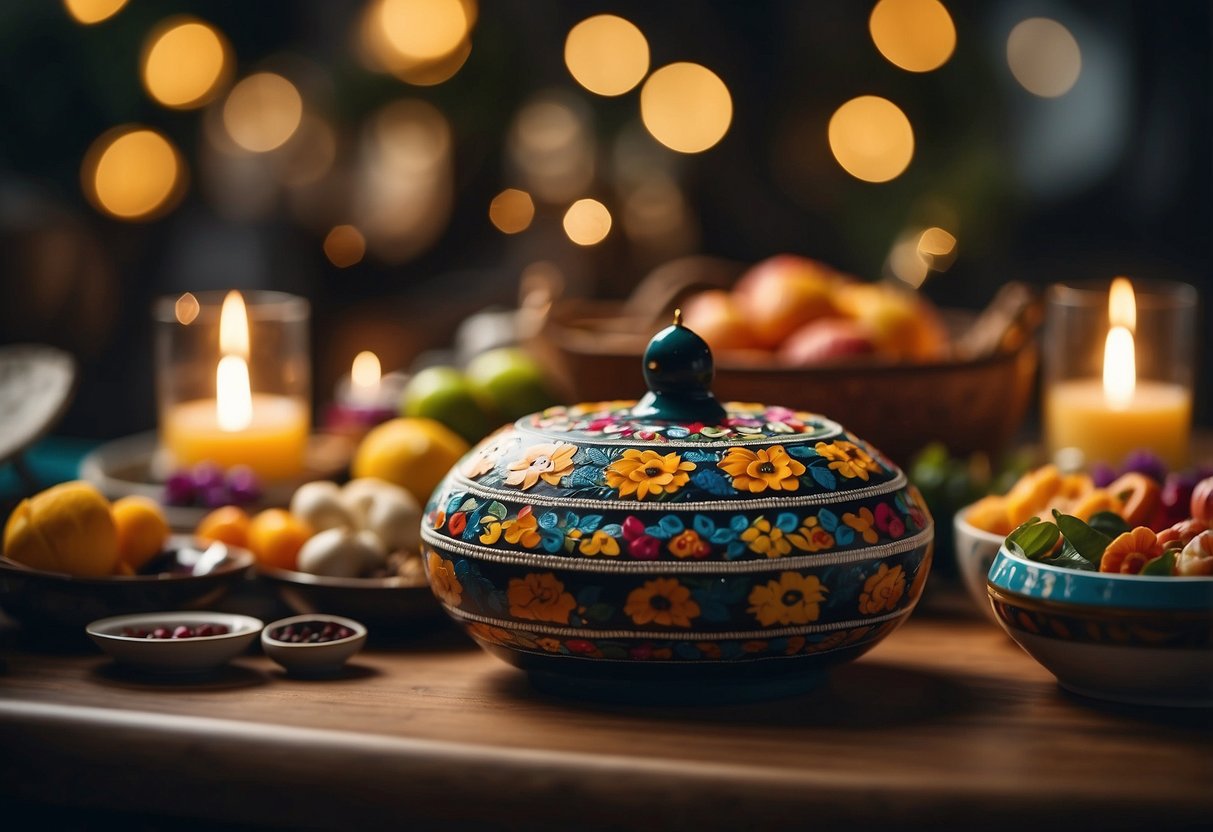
<point>540,597</point>
<point>848,459</point>
<point>489,633</point>
<point>641,473</point>
<point>550,645</point>
<point>662,601</point>
<point>599,543</point>
<point>811,537</point>
<point>756,471</point>
<point>862,523</point>
<point>793,599</point>
<point>487,456</point>
<point>548,462</point>
<point>766,539</point>
<point>882,590</point>
<point>442,579</point>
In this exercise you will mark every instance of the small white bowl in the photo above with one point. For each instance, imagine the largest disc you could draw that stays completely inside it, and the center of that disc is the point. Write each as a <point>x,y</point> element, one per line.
<point>313,658</point>
<point>975,553</point>
<point>196,654</point>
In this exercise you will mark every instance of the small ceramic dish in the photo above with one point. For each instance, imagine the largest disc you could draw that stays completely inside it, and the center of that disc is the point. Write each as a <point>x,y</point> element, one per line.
<point>383,603</point>
<point>119,637</point>
<point>188,574</point>
<point>1128,638</point>
<point>307,657</point>
<point>975,553</point>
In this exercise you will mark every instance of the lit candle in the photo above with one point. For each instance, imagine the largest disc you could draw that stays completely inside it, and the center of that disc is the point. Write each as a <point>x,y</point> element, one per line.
<point>364,398</point>
<point>1108,418</point>
<point>266,432</point>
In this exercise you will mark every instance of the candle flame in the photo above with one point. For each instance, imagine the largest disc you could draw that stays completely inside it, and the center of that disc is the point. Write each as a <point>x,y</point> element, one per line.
<point>233,394</point>
<point>366,371</point>
<point>1119,367</point>
<point>233,326</point>
<point>1122,304</point>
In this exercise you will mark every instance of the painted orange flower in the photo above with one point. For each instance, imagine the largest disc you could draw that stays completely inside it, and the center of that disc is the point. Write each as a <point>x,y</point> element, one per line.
<point>848,459</point>
<point>442,579</point>
<point>793,599</point>
<point>550,645</point>
<point>540,597</point>
<point>489,633</point>
<point>662,601</point>
<point>882,590</point>
<point>487,456</point>
<point>688,544</point>
<point>811,537</point>
<point>599,543</point>
<point>766,539</point>
<point>641,473</point>
<point>756,471</point>
<point>862,523</point>
<point>548,462</point>
<point>1129,552</point>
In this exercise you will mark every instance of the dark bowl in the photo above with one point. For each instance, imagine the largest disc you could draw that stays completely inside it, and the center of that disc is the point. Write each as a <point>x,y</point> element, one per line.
<point>380,603</point>
<point>188,575</point>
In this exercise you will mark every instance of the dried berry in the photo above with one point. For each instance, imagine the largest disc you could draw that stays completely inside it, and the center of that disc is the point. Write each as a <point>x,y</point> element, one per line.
<point>311,632</point>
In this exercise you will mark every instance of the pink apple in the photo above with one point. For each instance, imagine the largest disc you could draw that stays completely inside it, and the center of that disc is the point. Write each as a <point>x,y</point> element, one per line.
<point>825,341</point>
<point>717,319</point>
<point>783,293</point>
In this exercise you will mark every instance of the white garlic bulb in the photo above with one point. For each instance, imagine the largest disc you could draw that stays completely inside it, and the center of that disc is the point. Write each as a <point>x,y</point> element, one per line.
<point>320,505</point>
<point>338,553</point>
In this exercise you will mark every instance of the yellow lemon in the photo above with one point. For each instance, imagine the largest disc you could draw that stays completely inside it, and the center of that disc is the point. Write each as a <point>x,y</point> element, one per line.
<point>413,453</point>
<point>67,528</point>
<point>142,530</point>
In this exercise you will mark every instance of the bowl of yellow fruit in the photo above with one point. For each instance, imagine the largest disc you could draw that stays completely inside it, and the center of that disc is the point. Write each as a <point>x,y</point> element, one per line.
<point>71,557</point>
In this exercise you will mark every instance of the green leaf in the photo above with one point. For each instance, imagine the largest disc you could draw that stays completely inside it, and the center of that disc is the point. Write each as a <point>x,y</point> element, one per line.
<point>497,510</point>
<point>1070,558</point>
<point>1164,564</point>
<point>1109,523</point>
<point>1088,542</point>
<point>1033,539</point>
<point>598,613</point>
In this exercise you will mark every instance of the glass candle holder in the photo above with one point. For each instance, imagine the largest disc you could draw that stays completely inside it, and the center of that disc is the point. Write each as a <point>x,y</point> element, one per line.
<point>1118,371</point>
<point>233,379</point>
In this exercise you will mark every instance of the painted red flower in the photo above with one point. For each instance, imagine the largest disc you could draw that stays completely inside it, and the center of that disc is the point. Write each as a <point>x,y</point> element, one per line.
<point>888,521</point>
<point>580,645</point>
<point>459,522</point>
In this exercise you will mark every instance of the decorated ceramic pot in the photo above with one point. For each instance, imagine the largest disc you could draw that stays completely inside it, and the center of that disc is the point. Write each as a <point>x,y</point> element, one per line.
<point>738,549</point>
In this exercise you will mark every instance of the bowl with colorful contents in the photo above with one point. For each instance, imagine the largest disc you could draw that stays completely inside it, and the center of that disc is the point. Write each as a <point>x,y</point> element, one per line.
<point>674,546</point>
<point>70,557</point>
<point>174,642</point>
<point>313,644</point>
<point>1114,612</point>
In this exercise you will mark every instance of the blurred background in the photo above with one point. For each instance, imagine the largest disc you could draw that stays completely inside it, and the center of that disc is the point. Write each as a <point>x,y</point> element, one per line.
<point>405,163</point>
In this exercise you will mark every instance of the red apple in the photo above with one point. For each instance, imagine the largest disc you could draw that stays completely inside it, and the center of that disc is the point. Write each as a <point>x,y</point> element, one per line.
<point>827,340</point>
<point>718,320</point>
<point>783,293</point>
<point>1202,501</point>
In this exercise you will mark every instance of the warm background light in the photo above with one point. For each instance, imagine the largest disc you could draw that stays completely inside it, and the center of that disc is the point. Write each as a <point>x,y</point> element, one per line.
<point>686,107</point>
<point>587,222</point>
<point>606,54</point>
<point>132,173</point>
<point>184,62</point>
<point>233,326</point>
<point>424,29</point>
<point>936,243</point>
<point>512,211</point>
<point>871,138</point>
<point>187,308</point>
<point>262,112</point>
<point>344,246</point>
<point>915,35</point>
<point>1044,57</point>
<point>380,53</point>
<point>89,12</point>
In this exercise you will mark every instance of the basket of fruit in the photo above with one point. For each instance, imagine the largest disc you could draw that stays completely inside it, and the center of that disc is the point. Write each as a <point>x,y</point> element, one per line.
<point>879,358</point>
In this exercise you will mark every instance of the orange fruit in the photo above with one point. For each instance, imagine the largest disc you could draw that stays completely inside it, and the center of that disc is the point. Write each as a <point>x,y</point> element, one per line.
<point>414,453</point>
<point>141,529</point>
<point>275,536</point>
<point>66,528</point>
<point>229,525</point>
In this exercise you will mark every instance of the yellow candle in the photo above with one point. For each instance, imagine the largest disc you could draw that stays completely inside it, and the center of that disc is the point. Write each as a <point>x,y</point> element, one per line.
<point>1080,414</point>
<point>272,441</point>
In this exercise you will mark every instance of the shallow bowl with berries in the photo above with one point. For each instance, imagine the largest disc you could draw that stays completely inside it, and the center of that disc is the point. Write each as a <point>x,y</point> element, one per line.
<point>313,644</point>
<point>175,642</point>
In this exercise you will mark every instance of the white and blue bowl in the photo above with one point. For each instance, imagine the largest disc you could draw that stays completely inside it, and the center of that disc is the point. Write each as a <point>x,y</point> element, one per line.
<point>1128,638</point>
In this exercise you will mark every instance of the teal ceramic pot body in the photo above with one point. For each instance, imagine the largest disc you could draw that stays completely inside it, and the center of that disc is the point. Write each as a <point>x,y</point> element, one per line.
<point>675,538</point>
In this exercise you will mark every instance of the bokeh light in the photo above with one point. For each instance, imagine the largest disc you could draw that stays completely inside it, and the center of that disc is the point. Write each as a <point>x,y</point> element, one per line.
<point>380,54</point>
<point>424,29</point>
<point>184,61</point>
<point>187,308</point>
<point>89,12</point>
<point>344,246</point>
<point>606,54</point>
<point>1044,57</point>
<point>686,107</point>
<point>309,155</point>
<point>552,147</point>
<point>133,173</point>
<point>512,211</point>
<point>871,138</point>
<point>915,35</point>
<point>587,222</point>
<point>262,112</point>
<point>937,246</point>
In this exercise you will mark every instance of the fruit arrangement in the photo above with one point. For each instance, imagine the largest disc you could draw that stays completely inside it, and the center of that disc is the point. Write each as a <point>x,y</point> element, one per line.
<point>72,529</point>
<point>803,313</point>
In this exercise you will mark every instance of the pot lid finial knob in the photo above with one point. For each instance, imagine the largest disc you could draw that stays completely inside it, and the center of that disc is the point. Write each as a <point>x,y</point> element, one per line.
<point>678,369</point>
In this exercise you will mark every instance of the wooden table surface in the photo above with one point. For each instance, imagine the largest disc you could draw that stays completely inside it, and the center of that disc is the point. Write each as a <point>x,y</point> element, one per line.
<point>945,725</point>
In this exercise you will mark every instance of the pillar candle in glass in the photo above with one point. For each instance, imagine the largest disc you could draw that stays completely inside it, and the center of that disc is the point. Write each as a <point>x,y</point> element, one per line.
<point>364,398</point>
<point>1118,369</point>
<point>233,380</point>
